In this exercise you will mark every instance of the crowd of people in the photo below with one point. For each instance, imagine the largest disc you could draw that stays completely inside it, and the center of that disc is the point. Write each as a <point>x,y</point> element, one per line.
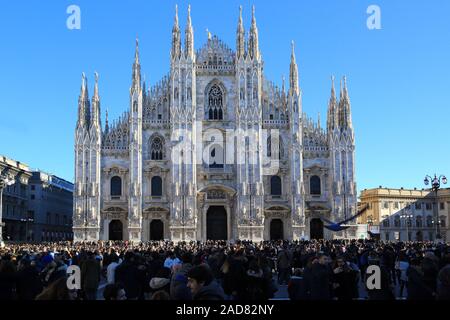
<point>220,270</point>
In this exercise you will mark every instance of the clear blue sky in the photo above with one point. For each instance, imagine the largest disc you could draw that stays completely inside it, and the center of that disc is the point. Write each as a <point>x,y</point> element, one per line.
<point>398,77</point>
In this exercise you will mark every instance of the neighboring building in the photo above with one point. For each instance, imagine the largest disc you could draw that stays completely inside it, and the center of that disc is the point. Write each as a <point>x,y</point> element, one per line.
<point>163,171</point>
<point>405,214</point>
<point>50,207</point>
<point>36,206</point>
<point>13,223</point>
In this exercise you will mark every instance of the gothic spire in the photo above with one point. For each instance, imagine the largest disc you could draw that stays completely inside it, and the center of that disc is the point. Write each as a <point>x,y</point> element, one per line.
<point>136,79</point>
<point>240,36</point>
<point>253,47</point>
<point>83,104</point>
<point>347,117</point>
<point>189,36</point>
<point>106,123</point>
<point>331,119</point>
<point>96,104</point>
<point>293,73</point>
<point>176,38</point>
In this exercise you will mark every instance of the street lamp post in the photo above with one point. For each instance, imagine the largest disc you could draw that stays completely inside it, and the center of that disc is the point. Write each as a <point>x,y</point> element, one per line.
<point>4,182</point>
<point>407,217</point>
<point>435,186</point>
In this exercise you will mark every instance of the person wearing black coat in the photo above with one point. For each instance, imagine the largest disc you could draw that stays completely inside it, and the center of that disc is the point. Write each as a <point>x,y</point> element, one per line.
<point>7,279</point>
<point>317,279</point>
<point>344,280</point>
<point>127,274</point>
<point>417,287</point>
<point>256,285</point>
<point>202,284</point>
<point>297,287</point>
<point>28,281</point>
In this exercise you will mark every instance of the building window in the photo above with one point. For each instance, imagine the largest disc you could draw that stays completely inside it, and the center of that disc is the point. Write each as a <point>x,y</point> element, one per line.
<point>116,186</point>
<point>428,206</point>
<point>314,185</point>
<point>33,187</point>
<point>48,218</point>
<point>397,221</point>
<point>442,221</point>
<point>157,148</point>
<point>215,103</point>
<point>442,206</point>
<point>386,205</point>
<point>419,222</point>
<point>57,219</point>
<point>387,236</point>
<point>395,205</point>
<point>430,236</point>
<point>156,186</point>
<point>275,186</point>
<point>418,206</point>
<point>32,197</point>
<point>386,223</point>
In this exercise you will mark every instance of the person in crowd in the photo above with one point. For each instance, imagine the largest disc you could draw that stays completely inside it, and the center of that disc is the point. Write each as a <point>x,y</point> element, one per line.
<point>178,285</point>
<point>113,260</point>
<point>161,281</point>
<point>317,278</point>
<point>443,280</point>
<point>296,286</point>
<point>202,284</point>
<point>256,285</point>
<point>126,274</point>
<point>58,290</point>
<point>7,278</point>
<point>90,276</point>
<point>28,282</point>
<point>344,280</point>
<point>284,265</point>
<point>417,287</point>
<point>402,266</point>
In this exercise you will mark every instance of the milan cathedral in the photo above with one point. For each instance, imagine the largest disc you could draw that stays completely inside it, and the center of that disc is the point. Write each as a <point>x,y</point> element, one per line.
<point>213,151</point>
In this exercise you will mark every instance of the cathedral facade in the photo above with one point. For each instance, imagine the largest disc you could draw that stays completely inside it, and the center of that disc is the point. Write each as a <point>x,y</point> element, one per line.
<point>213,151</point>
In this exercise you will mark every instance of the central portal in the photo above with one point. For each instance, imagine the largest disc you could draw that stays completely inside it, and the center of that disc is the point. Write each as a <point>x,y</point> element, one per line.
<point>316,229</point>
<point>216,223</point>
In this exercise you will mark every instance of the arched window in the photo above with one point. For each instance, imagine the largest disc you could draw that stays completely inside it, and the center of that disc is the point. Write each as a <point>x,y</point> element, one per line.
<point>275,186</point>
<point>215,103</point>
<point>157,148</point>
<point>156,186</point>
<point>314,185</point>
<point>116,186</point>
<point>269,146</point>
<point>419,221</point>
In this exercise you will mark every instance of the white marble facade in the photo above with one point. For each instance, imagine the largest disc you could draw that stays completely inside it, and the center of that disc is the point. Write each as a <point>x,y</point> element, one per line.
<point>212,151</point>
